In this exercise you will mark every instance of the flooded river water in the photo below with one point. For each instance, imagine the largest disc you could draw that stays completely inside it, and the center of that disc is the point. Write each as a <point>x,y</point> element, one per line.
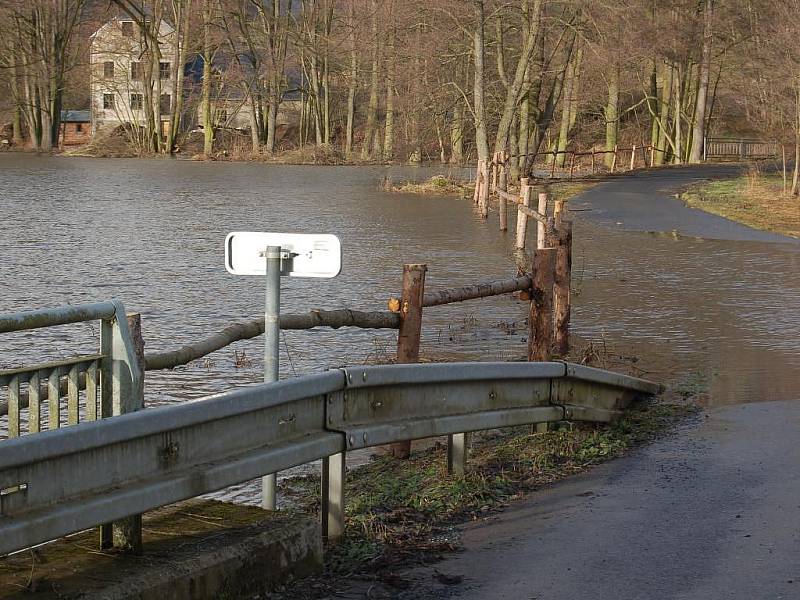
<point>720,314</point>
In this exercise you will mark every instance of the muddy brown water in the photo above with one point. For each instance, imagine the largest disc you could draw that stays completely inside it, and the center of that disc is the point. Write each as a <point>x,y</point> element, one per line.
<point>717,315</point>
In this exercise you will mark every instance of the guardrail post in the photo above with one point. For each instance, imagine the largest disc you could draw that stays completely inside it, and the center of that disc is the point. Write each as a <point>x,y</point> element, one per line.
<point>563,275</point>
<point>633,158</point>
<point>333,482</point>
<point>522,218</point>
<point>122,392</point>
<point>408,337</point>
<point>540,321</point>
<point>457,453</point>
<point>503,186</point>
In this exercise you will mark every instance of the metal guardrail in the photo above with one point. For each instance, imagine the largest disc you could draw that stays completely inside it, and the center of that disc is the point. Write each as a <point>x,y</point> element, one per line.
<point>67,480</point>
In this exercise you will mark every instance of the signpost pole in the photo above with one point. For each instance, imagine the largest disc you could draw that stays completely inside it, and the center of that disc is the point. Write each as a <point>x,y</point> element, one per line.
<point>272,332</point>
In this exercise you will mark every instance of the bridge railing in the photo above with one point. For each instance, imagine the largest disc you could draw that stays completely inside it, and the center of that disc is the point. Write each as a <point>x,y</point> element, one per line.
<point>740,149</point>
<point>67,480</point>
<point>67,392</point>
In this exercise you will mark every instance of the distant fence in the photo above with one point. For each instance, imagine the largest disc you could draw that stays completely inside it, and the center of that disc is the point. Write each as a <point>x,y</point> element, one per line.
<point>740,149</point>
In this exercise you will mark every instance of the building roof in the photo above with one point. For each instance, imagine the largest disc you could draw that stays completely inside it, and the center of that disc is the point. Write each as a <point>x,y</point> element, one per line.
<point>75,116</point>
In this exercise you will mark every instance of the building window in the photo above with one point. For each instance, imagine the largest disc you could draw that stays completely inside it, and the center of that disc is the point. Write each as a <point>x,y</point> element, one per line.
<point>127,28</point>
<point>108,69</point>
<point>137,101</point>
<point>78,127</point>
<point>108,101</point>
<point>163,70</point>
<point>136,71</point>
<point>165,104</point>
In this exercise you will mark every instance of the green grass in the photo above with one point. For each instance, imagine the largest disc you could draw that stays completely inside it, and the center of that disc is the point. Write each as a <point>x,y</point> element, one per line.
<point>754,199</point>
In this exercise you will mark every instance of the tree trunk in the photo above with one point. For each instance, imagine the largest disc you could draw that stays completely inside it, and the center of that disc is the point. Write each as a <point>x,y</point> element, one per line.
<point>457,134</point>
<point>391,58</point>
<point>566,112</point>
<point>351,90</point>
<point>370,131</point>
<point>479,109</point>
<point>515,89</point>
<point>612,114</point>
<point>678,84</point>
<point>208,124</point>
<point>699,130</point>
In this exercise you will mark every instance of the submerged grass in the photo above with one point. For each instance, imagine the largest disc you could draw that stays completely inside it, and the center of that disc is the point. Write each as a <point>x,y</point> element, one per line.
<point>754,199</point>
<point>403,512</point>
<point>438,185</point>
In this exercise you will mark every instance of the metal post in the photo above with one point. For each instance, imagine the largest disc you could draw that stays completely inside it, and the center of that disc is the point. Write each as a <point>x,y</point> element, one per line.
<point>272,332</point>
<point>333,479</point>
<point>457,454</point>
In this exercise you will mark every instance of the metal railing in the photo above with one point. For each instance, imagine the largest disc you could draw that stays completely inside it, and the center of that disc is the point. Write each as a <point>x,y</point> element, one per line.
<point>66,480</point>
<point>110,379</point>
<point>107,383</point>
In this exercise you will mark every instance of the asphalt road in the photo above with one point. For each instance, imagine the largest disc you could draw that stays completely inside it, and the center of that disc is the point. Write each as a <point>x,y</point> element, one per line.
<point>710,512</point>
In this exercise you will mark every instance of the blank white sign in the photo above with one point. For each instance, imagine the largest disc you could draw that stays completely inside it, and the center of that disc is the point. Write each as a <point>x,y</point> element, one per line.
<point>318,255</point>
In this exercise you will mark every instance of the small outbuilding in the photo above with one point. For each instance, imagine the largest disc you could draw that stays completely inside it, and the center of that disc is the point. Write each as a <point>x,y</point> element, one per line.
<point>76,127</point>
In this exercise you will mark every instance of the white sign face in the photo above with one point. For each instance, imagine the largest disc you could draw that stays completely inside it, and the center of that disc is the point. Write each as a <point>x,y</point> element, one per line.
<point>310,255</point>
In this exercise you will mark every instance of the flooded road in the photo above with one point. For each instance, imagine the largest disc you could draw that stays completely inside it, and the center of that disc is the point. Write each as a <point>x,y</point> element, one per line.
<point>722,312</point>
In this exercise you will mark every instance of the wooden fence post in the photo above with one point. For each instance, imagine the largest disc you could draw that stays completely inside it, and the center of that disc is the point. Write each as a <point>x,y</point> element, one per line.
<point>541,228</point>
<point>593,159</point>
<point>633,158</point>
<point>614,161</point>
<point>503,186</point>
<point>522,218</point>
<point>408,337</point>
<point>540,321</point>
<point>561,294</point>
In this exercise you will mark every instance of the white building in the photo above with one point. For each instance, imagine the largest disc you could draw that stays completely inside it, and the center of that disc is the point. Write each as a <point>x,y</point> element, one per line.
<point>117,74</point>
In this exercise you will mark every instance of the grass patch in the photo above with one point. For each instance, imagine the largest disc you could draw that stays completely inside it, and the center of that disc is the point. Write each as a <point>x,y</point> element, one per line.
<point>438,185</point>
<point>754,199</point>
<point>568,189</point>
<point>404,512</point>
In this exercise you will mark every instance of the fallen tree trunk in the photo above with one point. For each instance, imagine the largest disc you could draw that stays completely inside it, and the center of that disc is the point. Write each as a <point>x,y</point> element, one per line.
<point>250,329</point>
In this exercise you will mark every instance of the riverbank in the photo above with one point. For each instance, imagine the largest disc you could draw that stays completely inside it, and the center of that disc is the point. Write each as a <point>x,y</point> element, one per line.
<point>754,199</point>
